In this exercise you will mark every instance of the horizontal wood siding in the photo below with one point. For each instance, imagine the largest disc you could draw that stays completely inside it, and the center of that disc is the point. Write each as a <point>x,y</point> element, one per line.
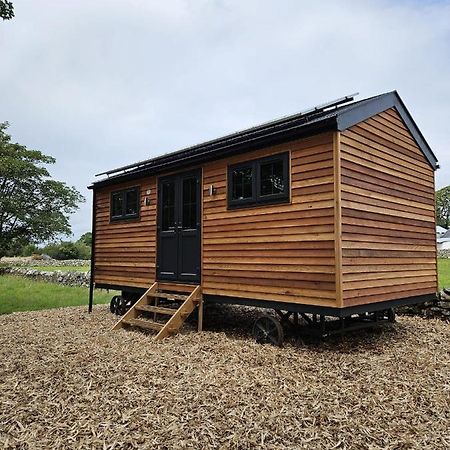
<point>388,213</point>
<point>280,252</point>
<point>125,250</point>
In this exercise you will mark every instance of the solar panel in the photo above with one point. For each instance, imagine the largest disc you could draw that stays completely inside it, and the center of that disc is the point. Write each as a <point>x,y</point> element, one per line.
<point>315,109</point>
<point>330,104</point>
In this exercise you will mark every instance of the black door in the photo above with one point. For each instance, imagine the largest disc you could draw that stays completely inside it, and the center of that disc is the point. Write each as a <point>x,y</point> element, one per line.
<point>179,228</point>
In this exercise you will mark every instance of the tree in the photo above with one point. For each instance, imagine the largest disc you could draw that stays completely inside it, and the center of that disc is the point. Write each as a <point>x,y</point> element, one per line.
<point>6,10</point>
<point>443,207</point>
<point>86,238</point>
<point>33,206</point>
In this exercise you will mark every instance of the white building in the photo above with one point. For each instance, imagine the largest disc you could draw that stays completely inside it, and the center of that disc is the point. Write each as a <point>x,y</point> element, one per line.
<point>443,240</point>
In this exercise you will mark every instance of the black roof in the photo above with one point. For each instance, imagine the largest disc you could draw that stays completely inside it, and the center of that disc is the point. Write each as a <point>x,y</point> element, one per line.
<point>334,116</point>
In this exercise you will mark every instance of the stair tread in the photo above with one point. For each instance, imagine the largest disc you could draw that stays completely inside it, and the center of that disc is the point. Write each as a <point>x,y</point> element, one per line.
<point>176,287</point>
<point>142,323</point>
<point>168,295</point>
<point>156,309</point>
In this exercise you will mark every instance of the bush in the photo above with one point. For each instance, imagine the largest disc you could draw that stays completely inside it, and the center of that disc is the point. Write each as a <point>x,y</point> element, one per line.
<point>84,250</point>
<point>29,250</point>
<point>68,250</point>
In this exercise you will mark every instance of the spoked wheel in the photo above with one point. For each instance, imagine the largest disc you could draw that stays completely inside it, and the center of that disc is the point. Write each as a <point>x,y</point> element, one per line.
<point>268,330</point>
<point>114,304</point>
<point>122,306</point>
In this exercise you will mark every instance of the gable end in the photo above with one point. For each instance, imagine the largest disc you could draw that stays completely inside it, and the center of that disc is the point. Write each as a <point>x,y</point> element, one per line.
<point>365,110</point>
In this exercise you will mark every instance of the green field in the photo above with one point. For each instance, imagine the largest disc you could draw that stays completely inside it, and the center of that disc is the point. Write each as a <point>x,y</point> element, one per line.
<point>444,272</point>
<point>22,294</point>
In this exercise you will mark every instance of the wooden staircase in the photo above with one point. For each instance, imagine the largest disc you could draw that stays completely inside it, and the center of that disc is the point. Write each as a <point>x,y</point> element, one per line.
<point>163,309</point>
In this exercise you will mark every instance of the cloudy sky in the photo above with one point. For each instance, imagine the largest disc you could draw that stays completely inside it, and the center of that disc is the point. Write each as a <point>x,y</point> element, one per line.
<point>99,84</point>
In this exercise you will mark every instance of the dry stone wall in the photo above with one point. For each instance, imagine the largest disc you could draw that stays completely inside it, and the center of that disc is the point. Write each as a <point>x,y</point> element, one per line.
<point>55,276</point>
<point>27,261</point>
<point>439,308</point>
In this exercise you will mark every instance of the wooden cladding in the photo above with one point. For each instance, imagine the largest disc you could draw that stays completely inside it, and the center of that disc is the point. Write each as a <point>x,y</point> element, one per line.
<point>358,226</point>
<point>388,216</point>
<point>125,250</point>
<point>276,252</point>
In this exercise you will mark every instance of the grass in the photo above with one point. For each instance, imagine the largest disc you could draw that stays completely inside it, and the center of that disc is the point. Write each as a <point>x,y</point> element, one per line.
<point>444,272</point>
<point>61,268</point>
<point>22,294</point>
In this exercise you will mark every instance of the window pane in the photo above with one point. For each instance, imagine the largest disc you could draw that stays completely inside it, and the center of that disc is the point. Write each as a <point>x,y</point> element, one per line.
<point>242,183</point>
<point>272,180</point>
<point>131,204</point>
<point>168,206</point>
<point>117,204</point>
<point>190,203</point>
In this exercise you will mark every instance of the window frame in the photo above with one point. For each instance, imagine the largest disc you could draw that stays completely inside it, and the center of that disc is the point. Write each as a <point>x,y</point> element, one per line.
<point>124,193</point>
<point>236,203</point>
<point>257,199</point>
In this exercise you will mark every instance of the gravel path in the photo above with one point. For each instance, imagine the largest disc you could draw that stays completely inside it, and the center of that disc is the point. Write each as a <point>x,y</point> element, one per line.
<point>66,381</point>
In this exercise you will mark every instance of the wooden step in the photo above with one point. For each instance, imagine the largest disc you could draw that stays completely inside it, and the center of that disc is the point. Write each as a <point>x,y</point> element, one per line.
<point>156,309</point>
<point>185,309</point>
<point>168,296</point>
<point>190,301</point>
<point>145,324</point>
<point>176,287</point>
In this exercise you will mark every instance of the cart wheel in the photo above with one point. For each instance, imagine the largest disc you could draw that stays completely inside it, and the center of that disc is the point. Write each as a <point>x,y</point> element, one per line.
<point>391,315</point>
<point>114,304</point>
<point>268,330</point>
<point>121,306</point>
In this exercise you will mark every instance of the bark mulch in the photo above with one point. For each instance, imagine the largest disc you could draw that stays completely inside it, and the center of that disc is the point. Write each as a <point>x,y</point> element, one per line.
<point>66,381</point>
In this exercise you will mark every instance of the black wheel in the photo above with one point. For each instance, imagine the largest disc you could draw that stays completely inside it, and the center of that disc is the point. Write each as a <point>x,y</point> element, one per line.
<point>268,330</point>
<point>391,315</point>
<point>114,304</point>
<point>121,306</point>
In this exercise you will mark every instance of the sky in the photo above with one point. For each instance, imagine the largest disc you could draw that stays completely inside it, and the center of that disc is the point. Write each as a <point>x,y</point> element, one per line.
<point>100,84</point>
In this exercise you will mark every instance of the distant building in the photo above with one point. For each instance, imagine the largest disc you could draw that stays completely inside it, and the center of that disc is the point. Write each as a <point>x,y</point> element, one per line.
<point>443,240</point>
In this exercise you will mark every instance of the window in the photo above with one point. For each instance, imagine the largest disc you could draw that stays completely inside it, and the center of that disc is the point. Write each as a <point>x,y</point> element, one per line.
<point>241,184</point>
<point>168,205</point>
<point>262,181</point>
<point>125,204</point>
<point>189,221</point>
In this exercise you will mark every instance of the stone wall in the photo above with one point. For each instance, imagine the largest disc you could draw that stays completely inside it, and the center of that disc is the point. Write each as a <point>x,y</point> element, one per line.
<point>436,308</point>
<point>30,262</point>
<point>55,276</point>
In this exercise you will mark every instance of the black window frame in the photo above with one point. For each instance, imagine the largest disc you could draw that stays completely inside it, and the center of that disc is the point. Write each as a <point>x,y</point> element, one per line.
<point>124,192</point>
<point>245,201</point>
<point>257,199</point>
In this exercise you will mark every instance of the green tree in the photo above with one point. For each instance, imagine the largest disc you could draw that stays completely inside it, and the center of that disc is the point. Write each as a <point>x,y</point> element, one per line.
<point>33,206</point>
<point>6,10</point>
<point>443,207</point>
<point>86,238</point>
<point>67,250</point>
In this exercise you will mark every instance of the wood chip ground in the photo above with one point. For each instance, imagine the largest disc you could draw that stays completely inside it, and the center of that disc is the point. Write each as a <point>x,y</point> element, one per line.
<point>66,381</point>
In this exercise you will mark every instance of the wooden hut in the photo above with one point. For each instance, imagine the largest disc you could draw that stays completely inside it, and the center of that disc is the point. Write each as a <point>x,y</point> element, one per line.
<point>329,212</point>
